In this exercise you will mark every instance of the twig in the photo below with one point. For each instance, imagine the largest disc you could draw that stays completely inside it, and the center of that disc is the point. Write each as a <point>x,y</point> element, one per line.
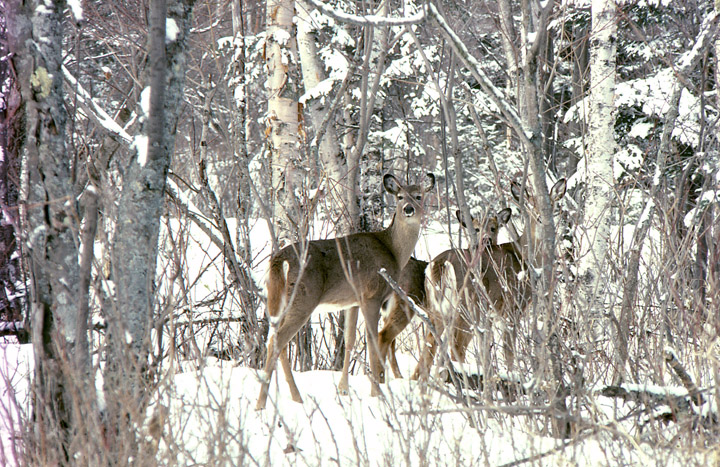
<point>684,376</point>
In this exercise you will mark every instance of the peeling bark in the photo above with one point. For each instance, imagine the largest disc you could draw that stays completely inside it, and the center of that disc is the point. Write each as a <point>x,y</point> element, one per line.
<point>283,120</point>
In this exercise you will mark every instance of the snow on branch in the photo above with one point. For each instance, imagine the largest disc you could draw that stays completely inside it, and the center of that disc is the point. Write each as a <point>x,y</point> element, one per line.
<point>368,20</point>
<point>93,110</point>
<point>689,59</point>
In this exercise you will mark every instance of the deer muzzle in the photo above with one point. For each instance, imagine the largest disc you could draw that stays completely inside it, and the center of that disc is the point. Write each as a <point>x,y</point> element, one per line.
<point>409,210</point>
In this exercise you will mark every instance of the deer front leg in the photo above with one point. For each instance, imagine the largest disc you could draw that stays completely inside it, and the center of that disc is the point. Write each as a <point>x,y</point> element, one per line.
<point>371,312</point>
<point>351,316</point>
<point>393,361</point>
<point>398,318</point>
<point>509,337</point>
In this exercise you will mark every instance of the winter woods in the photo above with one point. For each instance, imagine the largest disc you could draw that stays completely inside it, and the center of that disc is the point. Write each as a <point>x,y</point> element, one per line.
<point>156,154</point>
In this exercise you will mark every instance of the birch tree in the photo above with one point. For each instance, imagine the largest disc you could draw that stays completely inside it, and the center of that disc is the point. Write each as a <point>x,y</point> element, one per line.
<point>283,119</point>
<point>601,147</point>
<point>312,75</point>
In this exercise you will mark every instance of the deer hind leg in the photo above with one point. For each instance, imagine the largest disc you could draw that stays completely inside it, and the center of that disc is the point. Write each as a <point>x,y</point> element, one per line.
<point>442,299</point>
<point>351,316</point>
<point>393,360</point>
<point>287,368</point>
<point>270,361</point>
<point>422,370</point>
<point>462,337</point>
<point>398,318</point>
<point>291,323</point>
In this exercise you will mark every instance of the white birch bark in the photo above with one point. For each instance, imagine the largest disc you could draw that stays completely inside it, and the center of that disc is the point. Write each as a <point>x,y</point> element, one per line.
<point>599,157</point>
<point>313,74</point>
<point>283,116</point>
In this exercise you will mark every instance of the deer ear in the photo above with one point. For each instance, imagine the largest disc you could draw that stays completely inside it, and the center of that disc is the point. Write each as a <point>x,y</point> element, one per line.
<point>515,190</point>
<point>558,190</point>
<point>459,216</point>
<point>504,216</point>
<point>431,182</point>
<point>391,184</point>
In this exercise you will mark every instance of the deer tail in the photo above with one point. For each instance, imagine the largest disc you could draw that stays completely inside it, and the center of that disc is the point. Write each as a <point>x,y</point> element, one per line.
<point>276,286</point>
<point>441,288</point>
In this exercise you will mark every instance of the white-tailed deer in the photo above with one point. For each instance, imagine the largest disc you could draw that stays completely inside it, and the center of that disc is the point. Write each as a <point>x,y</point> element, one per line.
<point>452,284</point>
<point>341,273</point>
<point>449,287</point>
<point>412,281</point>
<point>528,204</point>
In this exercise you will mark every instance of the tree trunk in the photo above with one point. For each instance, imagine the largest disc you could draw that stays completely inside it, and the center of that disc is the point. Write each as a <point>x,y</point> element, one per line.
<point>313,73</point>
<point>51,220</point>
<point>135,249</point>
<point>600,152</point>
<point>283,121</point>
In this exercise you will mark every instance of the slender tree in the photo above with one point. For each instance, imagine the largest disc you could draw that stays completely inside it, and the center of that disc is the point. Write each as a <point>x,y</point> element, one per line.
<point>600,151</point>
<point>130,319</point>
<point>283,119</point>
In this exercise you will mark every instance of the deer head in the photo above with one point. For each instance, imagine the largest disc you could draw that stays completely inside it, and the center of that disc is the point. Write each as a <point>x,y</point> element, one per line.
<point>490,228</point>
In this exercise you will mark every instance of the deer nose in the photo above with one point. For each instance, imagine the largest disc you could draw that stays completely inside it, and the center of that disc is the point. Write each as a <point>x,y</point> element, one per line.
<point>486,241</point>
<point>409,210</point>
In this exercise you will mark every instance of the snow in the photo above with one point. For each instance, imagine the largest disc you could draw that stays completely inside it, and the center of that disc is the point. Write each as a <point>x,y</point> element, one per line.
<point>101,116</point>
<point>212,417</point>
<point>76,8</point>
<point>627,160</point>
<point>171,30</point>
<point>322,89</point>
<point>281,36</point>
<point>140,144</point>
<point>145,100</point>
<point>16,364</point>
<point>653,95</point>
<point>369,20</point>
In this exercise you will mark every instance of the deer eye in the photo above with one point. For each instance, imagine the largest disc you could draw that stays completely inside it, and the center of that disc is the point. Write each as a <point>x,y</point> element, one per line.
<point>418,197</point>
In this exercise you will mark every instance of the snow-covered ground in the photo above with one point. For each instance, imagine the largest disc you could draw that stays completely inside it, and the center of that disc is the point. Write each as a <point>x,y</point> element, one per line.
<point>212,419</point>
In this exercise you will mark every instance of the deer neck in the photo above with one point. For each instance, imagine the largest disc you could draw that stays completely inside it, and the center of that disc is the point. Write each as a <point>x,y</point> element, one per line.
<point>401,237</point>
<point>523,242</point>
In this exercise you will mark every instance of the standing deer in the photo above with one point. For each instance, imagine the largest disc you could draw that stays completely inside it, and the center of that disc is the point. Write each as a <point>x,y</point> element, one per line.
<point>505,288</point>
<point>341,273</point>
<point>412,281</point>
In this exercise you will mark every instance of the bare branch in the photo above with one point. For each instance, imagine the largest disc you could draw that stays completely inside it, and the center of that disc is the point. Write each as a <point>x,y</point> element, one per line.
<point>93,110</point>
<point>475,69</point>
